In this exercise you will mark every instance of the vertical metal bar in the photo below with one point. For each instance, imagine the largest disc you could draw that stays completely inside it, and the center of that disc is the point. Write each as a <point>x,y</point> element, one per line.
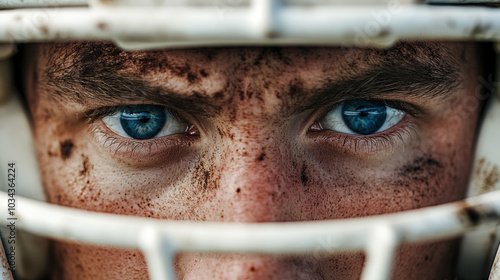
<point>380,254</point>
<point>495,270</point>
<point>6,50</point>
<point>159,253</point>
<point>263,15</point>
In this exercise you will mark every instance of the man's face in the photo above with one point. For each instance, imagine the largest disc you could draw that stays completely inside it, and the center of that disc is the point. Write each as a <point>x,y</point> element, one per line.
<point>253,135</point>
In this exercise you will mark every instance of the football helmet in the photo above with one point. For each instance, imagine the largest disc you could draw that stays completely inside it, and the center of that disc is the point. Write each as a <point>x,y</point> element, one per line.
<point>188,23</point>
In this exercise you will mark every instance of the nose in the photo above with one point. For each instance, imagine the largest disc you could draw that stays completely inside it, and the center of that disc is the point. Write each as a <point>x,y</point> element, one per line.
<point>254,180</point>
<point>257,175</point>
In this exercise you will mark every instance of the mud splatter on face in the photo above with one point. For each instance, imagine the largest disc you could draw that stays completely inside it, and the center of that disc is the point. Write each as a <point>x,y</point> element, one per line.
<point>66,148</point>
<point>203,73</point>
<point>303,175</point>
<point>85,166</point>
<point>205,177</point>
<point>420,168</point>
<point>261,157</point>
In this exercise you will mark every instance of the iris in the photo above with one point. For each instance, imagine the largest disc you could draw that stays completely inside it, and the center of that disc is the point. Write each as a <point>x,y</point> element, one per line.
<point>364,117</point>
<point>143,121</point>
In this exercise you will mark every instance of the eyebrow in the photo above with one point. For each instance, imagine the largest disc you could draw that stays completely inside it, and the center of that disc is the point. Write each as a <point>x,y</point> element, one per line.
<point>114,88</point>
<point>396,79</point>
<point>423,79</point>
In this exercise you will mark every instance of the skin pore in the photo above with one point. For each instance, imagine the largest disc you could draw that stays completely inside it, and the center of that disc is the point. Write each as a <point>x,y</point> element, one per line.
<point>254,148</point>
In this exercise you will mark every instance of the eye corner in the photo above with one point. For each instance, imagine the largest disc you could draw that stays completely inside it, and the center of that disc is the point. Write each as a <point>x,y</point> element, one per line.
<point>315,127</point>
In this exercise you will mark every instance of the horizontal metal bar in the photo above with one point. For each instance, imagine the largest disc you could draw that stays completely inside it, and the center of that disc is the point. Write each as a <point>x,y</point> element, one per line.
<point>464,2</point>
<point>181,26</point>
<point>9,4</point>
<point>273,238</point>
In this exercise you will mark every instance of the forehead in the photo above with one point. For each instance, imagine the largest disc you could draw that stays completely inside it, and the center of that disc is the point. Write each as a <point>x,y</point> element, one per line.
<point>209,71</point>
<point>97,55</point>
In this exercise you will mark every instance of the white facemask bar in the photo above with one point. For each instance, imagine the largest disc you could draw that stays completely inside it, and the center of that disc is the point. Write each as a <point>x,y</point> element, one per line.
<point>186,23</point>
<point>262,22</point>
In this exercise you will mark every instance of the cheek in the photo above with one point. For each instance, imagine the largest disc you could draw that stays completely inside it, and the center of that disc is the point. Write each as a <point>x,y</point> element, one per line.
<point>426,260</point>
<point>351,191</point>
<point>67,167</point>
<point>89,262</point>
<point>430,170</point>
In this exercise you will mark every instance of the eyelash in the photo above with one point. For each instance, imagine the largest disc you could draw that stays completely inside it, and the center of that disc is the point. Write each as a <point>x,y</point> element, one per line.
<point>381,141</point>
<point>406,129</point>
<point>127,145</point>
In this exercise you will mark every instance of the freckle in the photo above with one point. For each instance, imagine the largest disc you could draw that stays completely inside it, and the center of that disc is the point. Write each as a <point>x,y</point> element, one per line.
<point>238,190</point>
<point>66,148</point>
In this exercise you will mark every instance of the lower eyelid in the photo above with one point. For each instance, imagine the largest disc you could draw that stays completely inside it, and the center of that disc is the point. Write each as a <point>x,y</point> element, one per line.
<point>402,134</point>
<point>140,152</point>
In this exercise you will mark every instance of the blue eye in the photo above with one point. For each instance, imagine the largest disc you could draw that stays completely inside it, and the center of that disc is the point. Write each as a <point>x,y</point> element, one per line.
<point>362,117</point>
<point>144,122</point>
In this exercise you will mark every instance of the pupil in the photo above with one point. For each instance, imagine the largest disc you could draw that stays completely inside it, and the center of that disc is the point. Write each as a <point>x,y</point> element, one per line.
<point>143,121</point>
<point>364,117</point>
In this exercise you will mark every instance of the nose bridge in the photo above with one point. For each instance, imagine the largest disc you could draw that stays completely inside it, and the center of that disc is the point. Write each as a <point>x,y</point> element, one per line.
<point>253,176</point>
